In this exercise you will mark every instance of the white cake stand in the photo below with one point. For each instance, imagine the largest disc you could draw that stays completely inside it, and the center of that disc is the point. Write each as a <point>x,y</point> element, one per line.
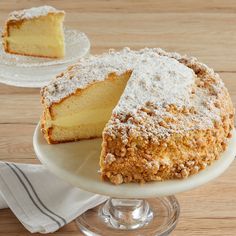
<point>133,209</point>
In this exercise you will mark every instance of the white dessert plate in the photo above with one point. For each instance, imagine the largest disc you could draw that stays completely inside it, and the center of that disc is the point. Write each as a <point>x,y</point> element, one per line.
<point>26,71</point>
<point>78,164</point>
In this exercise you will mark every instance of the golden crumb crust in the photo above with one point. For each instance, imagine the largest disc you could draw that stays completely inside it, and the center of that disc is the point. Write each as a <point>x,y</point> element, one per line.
<point>141,160</point>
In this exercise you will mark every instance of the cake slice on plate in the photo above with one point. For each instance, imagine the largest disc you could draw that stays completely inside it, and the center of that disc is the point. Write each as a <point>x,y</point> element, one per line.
<point>161,115</point>
<point>35,32</point>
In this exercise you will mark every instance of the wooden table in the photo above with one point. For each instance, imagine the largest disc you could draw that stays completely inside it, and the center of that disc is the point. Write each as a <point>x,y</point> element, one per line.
<point>205,29</point>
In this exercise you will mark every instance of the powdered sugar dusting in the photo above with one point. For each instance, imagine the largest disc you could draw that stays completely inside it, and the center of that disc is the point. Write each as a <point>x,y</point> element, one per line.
<point>92,69</point>
<point>166,92</point>
<point>159,80</point>
<point>32,12</point>
<point>158,100</point>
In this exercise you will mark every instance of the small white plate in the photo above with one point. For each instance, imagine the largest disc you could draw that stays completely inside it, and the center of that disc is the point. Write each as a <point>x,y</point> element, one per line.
<point>78,164</point>
<point>26,71</point>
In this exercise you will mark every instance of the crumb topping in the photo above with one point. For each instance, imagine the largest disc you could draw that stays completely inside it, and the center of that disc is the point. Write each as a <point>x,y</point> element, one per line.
<point>166,93</point>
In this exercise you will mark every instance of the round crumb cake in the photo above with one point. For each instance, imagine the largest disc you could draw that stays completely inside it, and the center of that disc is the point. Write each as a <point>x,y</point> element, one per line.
<point>172,117</point>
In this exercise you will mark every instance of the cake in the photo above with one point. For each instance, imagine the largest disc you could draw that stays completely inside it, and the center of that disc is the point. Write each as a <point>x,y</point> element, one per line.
<point>161,115</point>
<point>35,32</point>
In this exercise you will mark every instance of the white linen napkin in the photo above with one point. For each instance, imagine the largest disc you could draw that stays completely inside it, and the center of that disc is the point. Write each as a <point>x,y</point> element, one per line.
<point>42,202</point>
<point>3,204</point>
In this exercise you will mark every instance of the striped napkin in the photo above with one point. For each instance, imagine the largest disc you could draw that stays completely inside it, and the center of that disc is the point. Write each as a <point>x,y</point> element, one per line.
<point>42,202</point>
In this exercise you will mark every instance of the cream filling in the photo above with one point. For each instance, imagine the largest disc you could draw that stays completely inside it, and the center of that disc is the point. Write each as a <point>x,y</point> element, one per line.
<point>39,40</point>
<point>84,117</point>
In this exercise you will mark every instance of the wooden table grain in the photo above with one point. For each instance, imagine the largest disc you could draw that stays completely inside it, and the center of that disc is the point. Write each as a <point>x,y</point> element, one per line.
<point>205,29</point>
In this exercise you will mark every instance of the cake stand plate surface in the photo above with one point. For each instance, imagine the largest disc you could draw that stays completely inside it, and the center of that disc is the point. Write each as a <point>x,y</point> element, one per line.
<point>34,72</point>
<point>78,163</point>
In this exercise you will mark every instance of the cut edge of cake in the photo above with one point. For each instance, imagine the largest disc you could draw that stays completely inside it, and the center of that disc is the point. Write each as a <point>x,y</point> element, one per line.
<point>49,122</point>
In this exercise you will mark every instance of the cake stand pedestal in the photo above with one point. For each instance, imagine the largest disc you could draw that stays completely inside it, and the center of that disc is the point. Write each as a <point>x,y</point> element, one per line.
<point>132,209</point>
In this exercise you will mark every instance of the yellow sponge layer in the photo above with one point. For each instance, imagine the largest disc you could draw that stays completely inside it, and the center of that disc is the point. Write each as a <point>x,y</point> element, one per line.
<point>85,114</point>
<point>42,36</point>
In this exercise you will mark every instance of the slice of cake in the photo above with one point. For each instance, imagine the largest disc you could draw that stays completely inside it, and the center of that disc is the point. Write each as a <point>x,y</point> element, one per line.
<point>35,32</point>
<point>165,115</point>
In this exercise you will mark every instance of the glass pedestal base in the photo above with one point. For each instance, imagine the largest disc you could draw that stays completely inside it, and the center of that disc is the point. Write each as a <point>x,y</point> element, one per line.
<point>157,216</point>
